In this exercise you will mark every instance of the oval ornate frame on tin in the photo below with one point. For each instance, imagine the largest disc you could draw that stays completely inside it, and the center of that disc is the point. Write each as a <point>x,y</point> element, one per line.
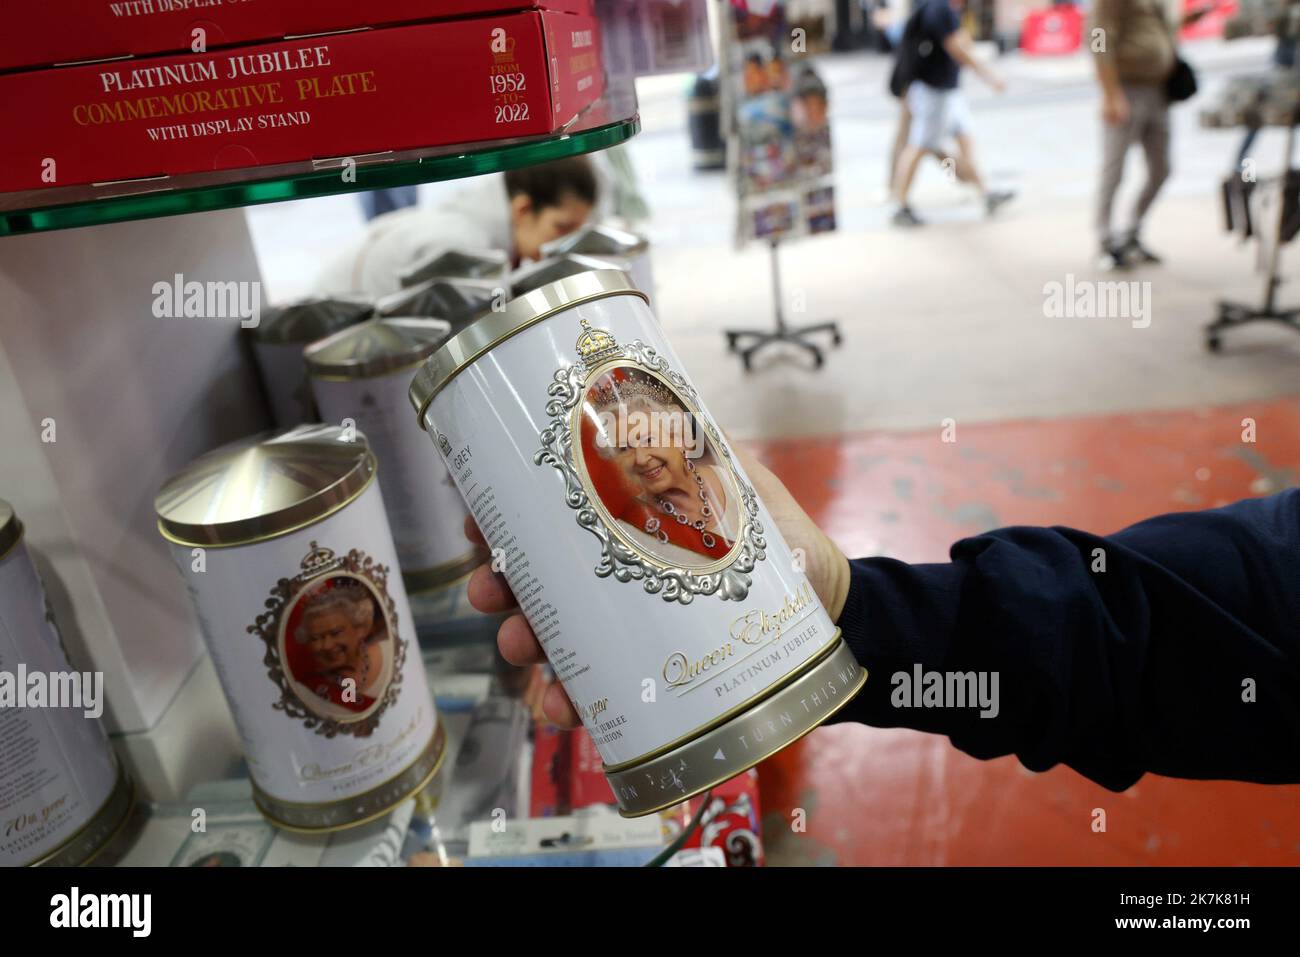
<point>621,558</point>
<point>320,566</point>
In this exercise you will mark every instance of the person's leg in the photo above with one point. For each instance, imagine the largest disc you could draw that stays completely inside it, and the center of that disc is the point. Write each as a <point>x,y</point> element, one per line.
<point>900,141</point>
<point>924,134</point>
<point>908,162</point>
<point>1153,134</point>
<point>1114,146</point>
<point>966,169</point>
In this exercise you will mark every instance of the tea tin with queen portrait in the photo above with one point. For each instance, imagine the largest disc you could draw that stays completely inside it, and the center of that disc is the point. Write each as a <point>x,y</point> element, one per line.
<point>286,551</point>
<point>679,621</point>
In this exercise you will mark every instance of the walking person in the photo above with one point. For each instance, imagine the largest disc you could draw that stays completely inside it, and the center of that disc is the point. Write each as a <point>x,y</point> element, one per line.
<point>1135,55</point>
<point>931,54</point>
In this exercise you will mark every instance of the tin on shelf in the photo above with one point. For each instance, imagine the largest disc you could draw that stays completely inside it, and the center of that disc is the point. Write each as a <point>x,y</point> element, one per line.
<point>360,376</point>
<point>676,616</point>
<point>285,549</point>
<point>628,250</point>
<point>534,275</point>
<point>278,342</point>
<point>490,264</point>
<point>63,793</point>
<point>457,300</point>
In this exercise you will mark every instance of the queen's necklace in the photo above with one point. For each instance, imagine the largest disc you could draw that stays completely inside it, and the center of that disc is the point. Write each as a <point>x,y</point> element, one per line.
<point>653,526</point>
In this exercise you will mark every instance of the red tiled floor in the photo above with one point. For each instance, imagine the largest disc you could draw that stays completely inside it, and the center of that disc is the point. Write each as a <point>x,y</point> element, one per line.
<point>891,796</point>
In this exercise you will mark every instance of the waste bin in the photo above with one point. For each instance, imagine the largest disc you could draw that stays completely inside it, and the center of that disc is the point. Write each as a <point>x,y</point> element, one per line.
<point>705,108</point>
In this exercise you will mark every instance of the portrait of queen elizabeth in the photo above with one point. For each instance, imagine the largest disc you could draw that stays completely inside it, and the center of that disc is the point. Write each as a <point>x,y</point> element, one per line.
<point>654,471</point>
<point>338,653</point>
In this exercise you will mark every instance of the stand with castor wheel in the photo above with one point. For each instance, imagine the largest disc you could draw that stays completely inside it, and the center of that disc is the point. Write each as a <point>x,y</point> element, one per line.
<point>1232,314</point>
<point>746,342</point>
<point>1236,314</point>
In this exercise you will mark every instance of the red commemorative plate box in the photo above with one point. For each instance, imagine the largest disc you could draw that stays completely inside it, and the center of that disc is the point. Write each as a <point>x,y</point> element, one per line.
<point>65,31</point>
<point>348,94</point>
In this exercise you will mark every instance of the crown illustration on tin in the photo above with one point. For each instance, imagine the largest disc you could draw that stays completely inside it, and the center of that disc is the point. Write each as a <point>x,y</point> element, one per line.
<point>629,390</point>
<point>595,344</point>
<point>318,561</point>
<point>443,445</point>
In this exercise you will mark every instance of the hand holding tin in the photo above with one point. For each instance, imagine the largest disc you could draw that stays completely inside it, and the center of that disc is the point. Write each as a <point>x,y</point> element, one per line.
<point>825,565</point>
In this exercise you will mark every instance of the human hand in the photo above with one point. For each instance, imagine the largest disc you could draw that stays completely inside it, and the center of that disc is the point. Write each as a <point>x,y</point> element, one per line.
<point>1114,109</point>
<point>825,565</point>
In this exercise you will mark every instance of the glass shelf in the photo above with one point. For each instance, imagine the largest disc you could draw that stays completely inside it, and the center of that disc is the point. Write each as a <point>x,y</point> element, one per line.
<point>608,122</point>
<point>495,770</point>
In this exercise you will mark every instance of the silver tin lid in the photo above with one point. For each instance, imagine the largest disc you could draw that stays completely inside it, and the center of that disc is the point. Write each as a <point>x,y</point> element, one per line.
<point>458,263</point>
<point>306,320</point>
<point>264,486</point>
<point>375,347</point>
<point>11,530</point>
<point>599,240</point>
<point>495,327</point>
<point>459,301</point>
<point>535,275</point>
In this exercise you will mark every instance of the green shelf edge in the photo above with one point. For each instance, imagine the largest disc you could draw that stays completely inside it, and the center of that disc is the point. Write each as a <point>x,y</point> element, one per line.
<point>327,182</point>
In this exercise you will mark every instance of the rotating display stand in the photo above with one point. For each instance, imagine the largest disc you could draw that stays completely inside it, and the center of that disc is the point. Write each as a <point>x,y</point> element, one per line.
<point>1255,102</point>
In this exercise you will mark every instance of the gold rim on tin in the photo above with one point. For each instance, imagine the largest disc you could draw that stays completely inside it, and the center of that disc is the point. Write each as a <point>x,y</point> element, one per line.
<point>265,486</point>
<point>93,837</point>
<point>703,762</point>
<point>368,806</point>
<point>752,701</point>
<point>493,328</point>
<point>11,530</point>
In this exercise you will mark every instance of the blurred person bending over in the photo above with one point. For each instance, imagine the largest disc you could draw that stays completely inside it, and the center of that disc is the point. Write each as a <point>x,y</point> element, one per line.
<point>932,51</point>
<point>516,212</point>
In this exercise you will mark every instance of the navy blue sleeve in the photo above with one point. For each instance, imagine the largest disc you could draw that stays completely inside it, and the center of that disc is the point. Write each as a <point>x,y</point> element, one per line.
<point>1181,658</point>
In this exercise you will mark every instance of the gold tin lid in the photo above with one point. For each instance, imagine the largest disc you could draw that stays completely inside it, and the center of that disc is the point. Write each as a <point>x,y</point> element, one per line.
<point>599,240</point>
<point>11,530</point>
<point>496,327</point>
<point>264,486</point>
<point>462,263</point>
<point>375,347</point>
<point>546,271</point>
<point>306,320</point>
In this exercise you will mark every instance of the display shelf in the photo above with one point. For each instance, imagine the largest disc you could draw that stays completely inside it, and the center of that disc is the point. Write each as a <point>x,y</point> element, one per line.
<point>488,710</point>
<point>608,122</point>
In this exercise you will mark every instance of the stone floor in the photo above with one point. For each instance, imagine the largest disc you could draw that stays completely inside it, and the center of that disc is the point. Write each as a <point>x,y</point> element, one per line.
<point>892,796</point>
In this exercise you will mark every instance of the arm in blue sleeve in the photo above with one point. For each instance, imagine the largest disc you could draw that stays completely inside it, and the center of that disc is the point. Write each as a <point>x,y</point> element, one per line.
<point>1149,665</point>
